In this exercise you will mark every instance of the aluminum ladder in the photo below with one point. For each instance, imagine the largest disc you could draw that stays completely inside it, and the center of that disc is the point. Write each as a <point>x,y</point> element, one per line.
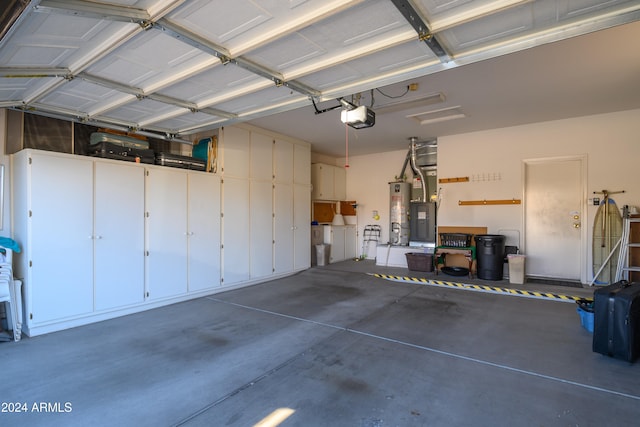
<point>623,268</point>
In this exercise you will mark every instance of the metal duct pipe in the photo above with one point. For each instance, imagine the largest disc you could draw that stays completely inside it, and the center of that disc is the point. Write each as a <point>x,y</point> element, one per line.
<point>404,165</point>
<point>416,169</point>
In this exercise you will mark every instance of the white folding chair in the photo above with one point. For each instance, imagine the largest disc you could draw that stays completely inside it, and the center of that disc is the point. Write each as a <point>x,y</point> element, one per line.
<point>11,293</point>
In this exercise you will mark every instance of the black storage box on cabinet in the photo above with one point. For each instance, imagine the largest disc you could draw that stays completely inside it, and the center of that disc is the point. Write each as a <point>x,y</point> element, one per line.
<point>179,161</point>
<point>616,324</point>
<point>109,150</point>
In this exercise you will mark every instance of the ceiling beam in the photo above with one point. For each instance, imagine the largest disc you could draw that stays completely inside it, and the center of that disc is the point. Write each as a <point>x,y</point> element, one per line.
<point>192,39</point>
<point>424,33</point>
<point>95,10</point>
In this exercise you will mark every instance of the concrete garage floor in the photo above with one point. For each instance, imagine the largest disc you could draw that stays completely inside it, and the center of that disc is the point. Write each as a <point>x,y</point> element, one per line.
<point>331,346</point>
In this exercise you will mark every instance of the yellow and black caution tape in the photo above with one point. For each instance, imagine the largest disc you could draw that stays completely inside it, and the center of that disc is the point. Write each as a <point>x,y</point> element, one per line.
<point>482,288</point>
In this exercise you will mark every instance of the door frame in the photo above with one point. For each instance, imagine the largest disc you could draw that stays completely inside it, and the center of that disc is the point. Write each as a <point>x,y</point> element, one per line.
<point>585,220</point>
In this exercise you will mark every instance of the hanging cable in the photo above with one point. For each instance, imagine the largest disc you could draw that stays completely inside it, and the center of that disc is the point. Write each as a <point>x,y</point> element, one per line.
<point>394,97</point>
<point>346,161</point>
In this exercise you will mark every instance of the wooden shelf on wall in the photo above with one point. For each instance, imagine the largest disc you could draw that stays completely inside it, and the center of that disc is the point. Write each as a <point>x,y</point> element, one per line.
<point>489,202</point>
<point>456,179</point>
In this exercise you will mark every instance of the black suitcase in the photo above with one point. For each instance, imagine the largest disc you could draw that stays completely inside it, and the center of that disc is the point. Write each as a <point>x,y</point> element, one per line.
<point>178,161</point>
<point>616,324</point>
<point>109,150</point>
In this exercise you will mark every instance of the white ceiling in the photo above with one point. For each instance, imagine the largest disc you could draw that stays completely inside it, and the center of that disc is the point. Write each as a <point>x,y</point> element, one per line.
<point>173,68</point>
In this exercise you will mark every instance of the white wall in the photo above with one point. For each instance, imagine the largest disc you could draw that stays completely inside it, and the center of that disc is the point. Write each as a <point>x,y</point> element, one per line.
<point>610,142</point>
<point>5,226</point>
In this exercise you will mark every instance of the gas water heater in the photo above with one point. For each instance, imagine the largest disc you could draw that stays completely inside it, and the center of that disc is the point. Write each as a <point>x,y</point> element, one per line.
<point>399,209</point>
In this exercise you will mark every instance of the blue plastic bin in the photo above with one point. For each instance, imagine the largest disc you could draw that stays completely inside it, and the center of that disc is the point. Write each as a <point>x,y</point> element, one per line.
<point>586,319</point>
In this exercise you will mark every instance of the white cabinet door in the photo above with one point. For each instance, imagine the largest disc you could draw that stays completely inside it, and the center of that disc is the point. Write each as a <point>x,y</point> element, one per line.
<point>301,226</point>
<point>339,183</point>
<point>283,161</point>
<point>61,237</point>
<point>284,228</point>
<point>334,235</point>
<point>322,178</point>
<point>261,229</point>
<point>235,228</point>
<point>301,164</point>
<point>350,242</point>
<point>261,157</point>
<point>236,151</point>
<point>166,198</point>
<point>118,235</point>
<point>204,231</point>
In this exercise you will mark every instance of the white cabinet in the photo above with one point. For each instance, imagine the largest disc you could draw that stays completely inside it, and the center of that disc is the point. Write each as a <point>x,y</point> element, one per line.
<point>183,232</point>
<point>301,164</point>
<point>104,238</point>
<point>322,181</point>
<point>342,239</point>
<point>339,183</point>
<point>292,206</point>
<point>236,152</point>
<point>329,182</point>
<point>79,224</point>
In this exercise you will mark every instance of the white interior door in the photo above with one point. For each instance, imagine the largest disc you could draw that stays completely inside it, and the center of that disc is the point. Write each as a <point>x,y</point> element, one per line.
<point>554,195</point>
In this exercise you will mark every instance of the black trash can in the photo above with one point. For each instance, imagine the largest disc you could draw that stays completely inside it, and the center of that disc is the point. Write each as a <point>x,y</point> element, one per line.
<point>490,256</point>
